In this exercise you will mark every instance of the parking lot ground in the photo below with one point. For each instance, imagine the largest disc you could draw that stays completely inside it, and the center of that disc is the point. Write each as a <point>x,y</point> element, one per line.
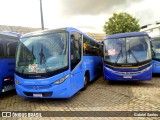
<point>100,95</point>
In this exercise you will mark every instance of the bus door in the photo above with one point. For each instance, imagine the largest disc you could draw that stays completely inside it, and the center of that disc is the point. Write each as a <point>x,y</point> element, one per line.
<point>76,64</point>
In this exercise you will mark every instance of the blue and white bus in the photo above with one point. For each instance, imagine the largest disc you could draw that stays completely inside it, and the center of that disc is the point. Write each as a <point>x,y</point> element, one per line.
<point>55,63</point>
<point>156,54</point>
<point>127,56</point>
<point>8,45</point>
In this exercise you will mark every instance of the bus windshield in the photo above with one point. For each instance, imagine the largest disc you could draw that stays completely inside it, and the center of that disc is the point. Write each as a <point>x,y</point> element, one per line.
<point>156,48</point>
<point>129,50</point>
<point>43,53</point>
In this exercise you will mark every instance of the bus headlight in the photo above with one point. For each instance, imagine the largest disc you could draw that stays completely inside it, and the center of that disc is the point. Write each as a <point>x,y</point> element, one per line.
<point>17,81</point>
<point>147,68</point>
<point>61,80</point>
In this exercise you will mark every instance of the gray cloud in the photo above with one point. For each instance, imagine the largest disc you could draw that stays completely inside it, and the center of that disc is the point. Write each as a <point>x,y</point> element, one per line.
<point>147,15</point>
<point>93,7</point>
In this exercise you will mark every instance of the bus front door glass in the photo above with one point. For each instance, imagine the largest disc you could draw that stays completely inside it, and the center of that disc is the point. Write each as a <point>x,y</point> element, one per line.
<point>76,66</point>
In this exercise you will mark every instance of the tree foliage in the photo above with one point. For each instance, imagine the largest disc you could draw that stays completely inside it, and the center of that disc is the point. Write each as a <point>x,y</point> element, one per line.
<point>121,23</point>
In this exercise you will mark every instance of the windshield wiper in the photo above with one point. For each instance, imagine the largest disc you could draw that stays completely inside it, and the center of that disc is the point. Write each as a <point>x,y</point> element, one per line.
<point>42,57</point>
<point>32,49</point>
<point>119,54</point>
<point>130,52</point>
<point>32,53</point>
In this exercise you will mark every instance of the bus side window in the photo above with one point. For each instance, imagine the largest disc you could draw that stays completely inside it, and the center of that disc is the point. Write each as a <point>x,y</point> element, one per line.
<point>86,46</point>
<point>76,40</point>
<point>11,49</point>
<point>2,54</point>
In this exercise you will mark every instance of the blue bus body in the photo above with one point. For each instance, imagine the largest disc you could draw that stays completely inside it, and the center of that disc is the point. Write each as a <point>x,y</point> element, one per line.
<point>8,45</point>
<point>127,57</point>
<point>76,65</point>
<point>156,54</point>
<point>155,66</point>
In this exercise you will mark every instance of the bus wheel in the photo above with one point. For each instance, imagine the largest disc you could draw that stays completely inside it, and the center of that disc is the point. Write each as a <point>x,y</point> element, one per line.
<point>86,79</point>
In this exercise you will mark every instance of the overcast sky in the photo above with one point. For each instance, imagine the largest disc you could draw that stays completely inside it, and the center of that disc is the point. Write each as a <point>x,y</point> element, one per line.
<point>86,15</point>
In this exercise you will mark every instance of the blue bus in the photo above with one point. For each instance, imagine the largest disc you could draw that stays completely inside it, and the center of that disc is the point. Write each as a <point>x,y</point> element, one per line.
<point>56,63</point>
<point>156,54</point>
<point>8,45</point>
<point>127,56</point>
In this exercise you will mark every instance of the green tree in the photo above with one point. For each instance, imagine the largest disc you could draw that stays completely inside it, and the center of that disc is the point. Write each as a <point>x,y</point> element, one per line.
<point>120,23</point>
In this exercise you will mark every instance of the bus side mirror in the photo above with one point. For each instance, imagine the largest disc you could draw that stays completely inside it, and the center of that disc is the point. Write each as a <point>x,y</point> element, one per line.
<point>102,54</point>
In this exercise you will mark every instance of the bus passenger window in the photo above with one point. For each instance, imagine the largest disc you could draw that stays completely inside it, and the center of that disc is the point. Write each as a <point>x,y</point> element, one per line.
<point>1,50</point>
<point>11,49</point>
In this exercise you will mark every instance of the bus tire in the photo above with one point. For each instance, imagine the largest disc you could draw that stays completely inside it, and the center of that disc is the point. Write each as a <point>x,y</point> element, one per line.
<point>86,80</point>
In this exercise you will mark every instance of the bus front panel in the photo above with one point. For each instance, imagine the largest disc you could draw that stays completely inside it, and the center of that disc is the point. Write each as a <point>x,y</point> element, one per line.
<point>58,86</point>
<point>130,52</point>
<point>141,73</point>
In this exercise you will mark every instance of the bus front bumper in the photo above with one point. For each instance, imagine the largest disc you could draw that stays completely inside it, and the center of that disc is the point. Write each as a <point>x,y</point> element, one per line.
<point>128,76</point>
<point>62,90</point>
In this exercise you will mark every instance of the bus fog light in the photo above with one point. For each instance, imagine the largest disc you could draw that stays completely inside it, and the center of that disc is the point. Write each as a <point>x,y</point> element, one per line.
<point>17,81</point>
<point>61,80</point>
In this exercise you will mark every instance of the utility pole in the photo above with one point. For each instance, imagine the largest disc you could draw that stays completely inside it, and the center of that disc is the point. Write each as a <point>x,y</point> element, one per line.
<point>41,10</point>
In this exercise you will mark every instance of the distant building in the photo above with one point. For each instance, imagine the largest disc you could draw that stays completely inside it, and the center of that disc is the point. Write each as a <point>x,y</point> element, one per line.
<point>18,29</point>
<point>22,30</point>
<point>152,29</point>
<point>97,36</point>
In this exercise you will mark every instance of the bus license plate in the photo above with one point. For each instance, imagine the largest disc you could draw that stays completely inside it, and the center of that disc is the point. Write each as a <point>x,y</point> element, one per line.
<point>127,76</point>
<point>37,95</point>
